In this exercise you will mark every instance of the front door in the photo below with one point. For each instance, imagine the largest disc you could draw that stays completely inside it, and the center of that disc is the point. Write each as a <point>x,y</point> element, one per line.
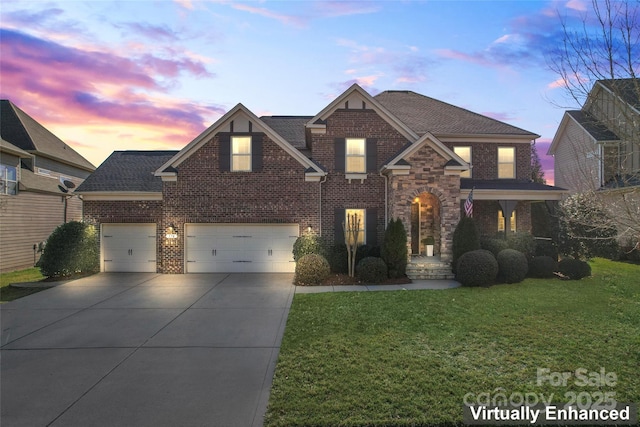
<point>415,228</point>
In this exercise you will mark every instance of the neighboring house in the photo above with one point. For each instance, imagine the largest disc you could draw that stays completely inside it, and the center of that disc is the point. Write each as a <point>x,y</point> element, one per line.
<point>38,175</point>
<point>237,196</point>
<point>599,146</point>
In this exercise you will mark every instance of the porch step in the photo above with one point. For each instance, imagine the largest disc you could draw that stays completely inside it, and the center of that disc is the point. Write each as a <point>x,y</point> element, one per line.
<point>428,268</point>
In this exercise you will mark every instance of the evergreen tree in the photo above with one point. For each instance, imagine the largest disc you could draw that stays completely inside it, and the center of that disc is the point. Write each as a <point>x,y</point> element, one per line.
<point>466,238</point>
<point>394,248</point>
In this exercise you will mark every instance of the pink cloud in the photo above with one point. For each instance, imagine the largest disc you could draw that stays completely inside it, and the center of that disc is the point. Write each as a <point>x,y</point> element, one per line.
<point>292,20</point>
<point>503,117</point>
<point>345,8</point>
<point>80,88</point>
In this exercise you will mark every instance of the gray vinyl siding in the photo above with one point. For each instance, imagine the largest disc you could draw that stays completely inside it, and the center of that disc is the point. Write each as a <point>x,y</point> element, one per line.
<point>27,219</point>
<point>577,160</point>
<point>61,168</point>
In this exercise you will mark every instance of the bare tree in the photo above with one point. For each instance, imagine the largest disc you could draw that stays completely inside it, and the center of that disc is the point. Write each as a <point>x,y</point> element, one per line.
<point>351,232</point>
<point>604,50</point>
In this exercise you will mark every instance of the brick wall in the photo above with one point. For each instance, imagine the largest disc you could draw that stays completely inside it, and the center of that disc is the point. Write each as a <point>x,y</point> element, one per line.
<point>484,158</point>
<point>337,191</point>
<point>204,193</point>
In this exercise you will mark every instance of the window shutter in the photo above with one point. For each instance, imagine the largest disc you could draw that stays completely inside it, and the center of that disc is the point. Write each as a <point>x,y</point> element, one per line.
<point>338,219</point>
<point>340,154</point>
<point>256,152</point>
<point>372,155</point>
<point>372,226</point>
<point>224,139</point>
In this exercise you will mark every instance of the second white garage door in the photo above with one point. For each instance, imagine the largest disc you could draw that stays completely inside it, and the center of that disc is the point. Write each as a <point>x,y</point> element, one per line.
<point>237,248</point>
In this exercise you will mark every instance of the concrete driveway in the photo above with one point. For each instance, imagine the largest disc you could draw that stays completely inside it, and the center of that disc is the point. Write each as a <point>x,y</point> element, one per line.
<point>137,349</point>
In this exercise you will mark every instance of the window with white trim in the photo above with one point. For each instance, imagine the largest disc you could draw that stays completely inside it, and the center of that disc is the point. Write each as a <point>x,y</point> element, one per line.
<point>512,221</point>
<point>465,154</point>
<point>360,216</point>
<point>8,180</point>
<point>241,153</point>
<point>355,155</point>
<point>506,162</point>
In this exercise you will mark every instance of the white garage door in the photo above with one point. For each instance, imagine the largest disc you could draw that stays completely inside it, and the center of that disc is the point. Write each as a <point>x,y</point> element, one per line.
<point>128,248</point>
<point>239,248</point>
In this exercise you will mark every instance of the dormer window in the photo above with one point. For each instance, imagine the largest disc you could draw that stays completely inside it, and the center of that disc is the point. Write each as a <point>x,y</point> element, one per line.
<point>356,156</point>
<point>241,153</point>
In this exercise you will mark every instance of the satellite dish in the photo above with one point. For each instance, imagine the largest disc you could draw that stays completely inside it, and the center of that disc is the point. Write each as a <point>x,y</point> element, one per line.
<point>68,184</point>
<point>64,190</point>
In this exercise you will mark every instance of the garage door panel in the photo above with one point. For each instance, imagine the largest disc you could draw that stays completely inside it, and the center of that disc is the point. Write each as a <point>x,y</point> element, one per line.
<point>240,247</point>
<point>128,248</point>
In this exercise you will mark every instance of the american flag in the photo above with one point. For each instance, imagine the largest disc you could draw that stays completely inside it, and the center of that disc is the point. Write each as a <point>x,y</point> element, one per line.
<point>468,205</point>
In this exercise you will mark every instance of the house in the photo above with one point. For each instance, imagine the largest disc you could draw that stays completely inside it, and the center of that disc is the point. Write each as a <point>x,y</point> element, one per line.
<point>38,175</point>
<point>237,196</point>
<point>599,145</point>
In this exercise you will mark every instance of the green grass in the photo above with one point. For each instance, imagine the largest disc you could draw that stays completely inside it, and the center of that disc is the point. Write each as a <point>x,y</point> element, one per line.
<point>409,357</point>
<point>9,293</point>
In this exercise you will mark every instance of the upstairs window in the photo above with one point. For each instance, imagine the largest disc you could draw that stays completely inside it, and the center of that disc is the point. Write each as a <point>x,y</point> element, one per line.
<point>8,180</point>
<point>241,153</point>
<point>356,158</point>
<point>506,162</point>
<point>465,154</point>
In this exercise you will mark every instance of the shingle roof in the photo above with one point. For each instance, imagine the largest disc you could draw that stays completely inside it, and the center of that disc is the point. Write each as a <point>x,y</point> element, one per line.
<point>627,89</point>
<point>592,126</point>
<point>127,171</point>
<point>8,147</point>
<point>291,128</point>
<point>21,130</point>
<point>424,114</point>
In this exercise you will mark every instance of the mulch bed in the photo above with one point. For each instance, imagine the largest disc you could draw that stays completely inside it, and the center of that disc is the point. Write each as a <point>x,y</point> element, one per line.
<point>343,279</point>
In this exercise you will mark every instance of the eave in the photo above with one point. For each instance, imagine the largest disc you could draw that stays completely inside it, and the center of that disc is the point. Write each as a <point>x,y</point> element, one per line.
<point>120,195</point>
<point>498,194</point>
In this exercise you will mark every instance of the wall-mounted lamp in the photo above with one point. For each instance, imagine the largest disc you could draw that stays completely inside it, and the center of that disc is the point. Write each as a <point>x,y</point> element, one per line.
<point>172,233</point>
<point>309,228</point>
<point>416,200</point>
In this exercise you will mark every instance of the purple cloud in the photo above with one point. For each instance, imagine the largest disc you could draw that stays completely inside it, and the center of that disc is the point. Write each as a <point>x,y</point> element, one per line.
<point>154,32</point>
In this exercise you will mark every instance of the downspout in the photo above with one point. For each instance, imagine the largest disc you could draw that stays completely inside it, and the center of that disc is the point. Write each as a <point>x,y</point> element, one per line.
<point>386,199</point>
<point>322,180</point>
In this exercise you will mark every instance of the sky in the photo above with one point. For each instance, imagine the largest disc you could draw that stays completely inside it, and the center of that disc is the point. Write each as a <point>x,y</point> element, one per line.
<point>153,74</point>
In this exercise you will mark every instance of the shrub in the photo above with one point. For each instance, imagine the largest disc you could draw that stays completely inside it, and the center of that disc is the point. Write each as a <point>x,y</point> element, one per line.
<point>394,248</point>
<point>477,268</point>
<point>466,238</point>
<point>512,266</point>
<point>493,245</point>
<point>71,248</point>
<point>586,229</point>
<point>307,244</point>
<point>372,270</point>
<point>311,269</point>
<point>337,258</point>
<point>547,248</point>
<point>574,269</point>
<point>522,242</point>
<point>542,267</point>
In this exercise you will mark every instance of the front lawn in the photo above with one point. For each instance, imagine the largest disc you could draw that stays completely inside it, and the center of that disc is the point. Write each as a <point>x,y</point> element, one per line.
<point>9,293</point>
<point>409,357</point>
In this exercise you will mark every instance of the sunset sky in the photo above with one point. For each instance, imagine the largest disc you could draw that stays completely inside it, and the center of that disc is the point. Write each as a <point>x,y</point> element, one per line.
<point>144,75</point>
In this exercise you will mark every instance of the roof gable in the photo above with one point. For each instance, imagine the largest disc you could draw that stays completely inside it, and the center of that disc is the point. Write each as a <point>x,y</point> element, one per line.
<point>454,162</point>
<point>242,115</point>
<point>424,114</point>
<point>596,130</point>
<point>21,130</point>
<point>357,98</point>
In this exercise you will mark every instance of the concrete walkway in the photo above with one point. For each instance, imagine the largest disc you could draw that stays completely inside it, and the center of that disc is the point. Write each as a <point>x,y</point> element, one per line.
<point>143,350</point>
<point>415,285</point>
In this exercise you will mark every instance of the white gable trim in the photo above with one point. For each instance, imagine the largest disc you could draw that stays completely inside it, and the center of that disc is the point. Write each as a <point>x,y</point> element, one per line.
<point>371,103</point>
<point>433,142</point>
<point>237,111</point>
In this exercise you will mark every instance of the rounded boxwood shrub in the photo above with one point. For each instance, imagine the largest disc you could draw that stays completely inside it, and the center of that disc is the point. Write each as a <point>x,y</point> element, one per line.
<point>574,269</point>
<point>307,244</point>
<point>466,238</point>
<point>512,266</point>
<point>542,267</point>
<point>372,270</point>
<point>522,242</point>
<point>311,269</point>
<point>493,245</point>
<point>477,268</point>
<point>72,248</point>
